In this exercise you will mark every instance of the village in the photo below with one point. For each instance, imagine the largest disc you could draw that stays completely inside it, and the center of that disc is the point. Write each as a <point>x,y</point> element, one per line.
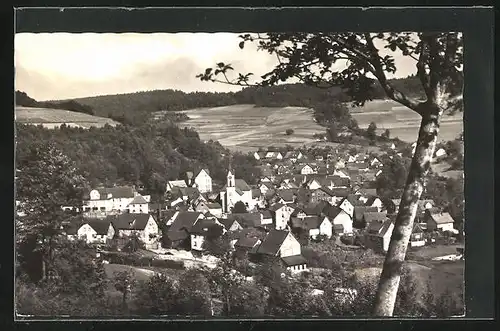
<point>299,199</point>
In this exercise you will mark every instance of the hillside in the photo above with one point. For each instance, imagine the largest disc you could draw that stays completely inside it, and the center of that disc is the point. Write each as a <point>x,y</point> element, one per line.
<point>248,127</point>
<point>52,118</point>
<point>283,95</point>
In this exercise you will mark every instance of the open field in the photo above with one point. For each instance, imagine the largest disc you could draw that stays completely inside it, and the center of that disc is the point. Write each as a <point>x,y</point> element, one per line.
<point>246,127</point>
<point>53,118</point>
<point>402,122</point>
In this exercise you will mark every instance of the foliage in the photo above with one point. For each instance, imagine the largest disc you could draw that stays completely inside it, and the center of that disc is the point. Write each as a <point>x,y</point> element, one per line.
<point>289,132</point>
<point>41,196</point>
<point>158,296</point>
<point>391,181</point>
<point>387,134</point>
<point>124,282</point>
<point>239,208</point>
<point>371,132</point>
<point>194,297</point>
<point>149,155</point>
<point>216,244</point>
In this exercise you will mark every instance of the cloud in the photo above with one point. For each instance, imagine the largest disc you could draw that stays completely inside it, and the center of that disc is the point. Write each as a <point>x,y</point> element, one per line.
<point>64,65</point>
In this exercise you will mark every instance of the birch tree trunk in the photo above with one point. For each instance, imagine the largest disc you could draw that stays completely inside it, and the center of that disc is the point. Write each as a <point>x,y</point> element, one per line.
<point>391,273</point>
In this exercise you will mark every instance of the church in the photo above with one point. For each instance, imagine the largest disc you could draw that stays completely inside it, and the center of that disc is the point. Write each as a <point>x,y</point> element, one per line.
<point>234,191</point>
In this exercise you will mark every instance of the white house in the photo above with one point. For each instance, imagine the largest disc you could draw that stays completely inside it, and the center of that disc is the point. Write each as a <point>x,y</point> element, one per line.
<point>281,215</point>
<point>374,202</point>
<point>138,205</point>
<point>378,235</point>
<point>96,231</point>
<point>347,206</point>
<point>439,221</point>
<point>314,225</point>
<point>279,243</point>
<point>203,181</point>
<point>110,199</point>
<point>283,245</point>
<point>341,221</point>
<point>175,183</point>
<point>201,229</point>
<point>142,225</point>
<point>307,170</point>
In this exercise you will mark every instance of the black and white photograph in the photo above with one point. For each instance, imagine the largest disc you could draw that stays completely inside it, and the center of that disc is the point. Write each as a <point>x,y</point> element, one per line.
<point>239,175</point>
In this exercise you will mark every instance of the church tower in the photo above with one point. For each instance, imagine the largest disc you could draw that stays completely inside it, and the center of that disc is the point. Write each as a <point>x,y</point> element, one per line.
<point>230,178</point>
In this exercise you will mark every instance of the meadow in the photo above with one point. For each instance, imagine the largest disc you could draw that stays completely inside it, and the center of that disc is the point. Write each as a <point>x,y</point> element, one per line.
<point>52,118</point>
<point>246,127</point>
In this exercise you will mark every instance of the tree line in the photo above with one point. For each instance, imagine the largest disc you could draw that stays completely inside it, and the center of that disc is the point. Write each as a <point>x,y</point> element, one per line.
<point>299,95</point>
<point>22,99</point>
<point>147,156</point>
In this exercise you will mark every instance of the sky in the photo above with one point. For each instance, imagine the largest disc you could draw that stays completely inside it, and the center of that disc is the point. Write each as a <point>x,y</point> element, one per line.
<point>54,66</point>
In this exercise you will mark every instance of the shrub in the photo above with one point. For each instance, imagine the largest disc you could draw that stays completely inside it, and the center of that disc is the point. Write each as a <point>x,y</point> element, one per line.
<point>289,132</point>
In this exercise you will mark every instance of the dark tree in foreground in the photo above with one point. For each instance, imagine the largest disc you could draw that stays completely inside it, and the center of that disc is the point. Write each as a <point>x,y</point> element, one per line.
<point>310,58</point>
<point>371,132</point>
<point>239,208</point>
<point>46,181</point>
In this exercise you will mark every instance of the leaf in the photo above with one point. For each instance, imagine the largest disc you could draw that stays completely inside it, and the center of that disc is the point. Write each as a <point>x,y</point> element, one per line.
<point>241,44</point>
<point>220,64</point>
<point>208,71</point>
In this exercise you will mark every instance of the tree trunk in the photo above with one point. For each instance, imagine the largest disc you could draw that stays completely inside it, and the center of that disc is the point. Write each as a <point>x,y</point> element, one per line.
<point>391,272</point>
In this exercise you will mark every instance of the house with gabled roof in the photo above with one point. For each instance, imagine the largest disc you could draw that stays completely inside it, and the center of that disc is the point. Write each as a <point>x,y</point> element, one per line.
<point>306,169</point>
<point>179,228</point>
<point>286,196</point>
<point>138,205</point>
<point>247,220</point>
<point>359,212</point>
<point>374,201</point>
<point>313,226</point>
<point>348,203</point>
<point>245,246</point>
<point>282,245</point>
<point>341,221</point>
<point>339,193</point>
<point>417,236</point>
<point>203,229</point>
<point>440,221</point>
<point>323,194</point>
<point>203,181</point>
<point>108,199</point>
<point>378,235</point>
<point>231,224</point>
<point>280,215</point>
<point>175,183</point>
<point>95,231</point>
<point>144,226</point>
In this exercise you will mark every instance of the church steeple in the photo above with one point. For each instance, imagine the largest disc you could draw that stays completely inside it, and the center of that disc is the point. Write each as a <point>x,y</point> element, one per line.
<point>230,173</point>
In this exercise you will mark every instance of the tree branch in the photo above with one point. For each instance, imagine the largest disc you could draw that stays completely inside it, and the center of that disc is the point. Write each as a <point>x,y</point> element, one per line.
<point>388,88</point>
<point>422,75</point>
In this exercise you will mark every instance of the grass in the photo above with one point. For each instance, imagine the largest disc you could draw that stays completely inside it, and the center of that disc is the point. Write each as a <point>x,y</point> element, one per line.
<point>52,118</point>
<point>427,253</point>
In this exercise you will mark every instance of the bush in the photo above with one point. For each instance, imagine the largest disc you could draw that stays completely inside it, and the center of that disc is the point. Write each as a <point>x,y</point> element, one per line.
<point>289,132</point>
<point>170,264</point>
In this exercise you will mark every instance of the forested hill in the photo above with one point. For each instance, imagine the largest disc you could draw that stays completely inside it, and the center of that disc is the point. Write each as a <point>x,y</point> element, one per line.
<point>146,155</point>
<point>277,96</point>
<point>24,100</point>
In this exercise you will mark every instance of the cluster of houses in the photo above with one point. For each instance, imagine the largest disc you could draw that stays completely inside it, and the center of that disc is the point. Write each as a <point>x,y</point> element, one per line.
<point>296,200</point>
